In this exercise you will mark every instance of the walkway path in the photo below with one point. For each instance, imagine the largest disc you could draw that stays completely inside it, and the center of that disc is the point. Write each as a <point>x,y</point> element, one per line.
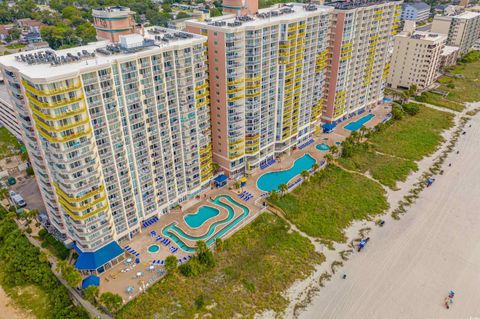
<point>410,265</point>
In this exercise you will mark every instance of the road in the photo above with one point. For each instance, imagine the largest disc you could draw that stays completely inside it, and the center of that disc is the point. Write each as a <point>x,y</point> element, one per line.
<point>409,266</point>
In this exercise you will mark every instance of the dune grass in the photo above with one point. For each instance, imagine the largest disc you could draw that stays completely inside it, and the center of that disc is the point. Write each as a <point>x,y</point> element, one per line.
<point>384,168</point>
<point>330,200</point>
<point>438,100</point>
<point>413,137</point>
<point>255,267</point>
<point>9,144</point>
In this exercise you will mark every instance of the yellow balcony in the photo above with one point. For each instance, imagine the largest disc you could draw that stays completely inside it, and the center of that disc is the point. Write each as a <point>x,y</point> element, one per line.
<point>62,128</point>
<point>61,116</point>
<point>88,215</point>
<point>67,197</point>
<point>236,81</point>
<point>236,142</point>
<point>203,86</point>
<point>51,104</point>
<point>202,104</point>
<point>64,139</point>
<point>49,92</point>
<point>83,207</point>
<point>204,94</point>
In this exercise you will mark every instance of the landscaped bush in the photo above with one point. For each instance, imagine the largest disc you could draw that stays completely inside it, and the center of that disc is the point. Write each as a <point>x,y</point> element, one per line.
<point>24,266</point>
<point>411,108</point>
<point>56,247</point>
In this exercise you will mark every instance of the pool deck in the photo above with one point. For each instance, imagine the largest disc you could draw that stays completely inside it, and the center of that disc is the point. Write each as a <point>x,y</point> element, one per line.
<point>115,280</point>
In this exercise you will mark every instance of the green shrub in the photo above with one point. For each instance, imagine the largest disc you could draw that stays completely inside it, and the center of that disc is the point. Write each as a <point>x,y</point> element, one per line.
<point>30,171</point>
<point>411,108</point>
<point>421,98</point>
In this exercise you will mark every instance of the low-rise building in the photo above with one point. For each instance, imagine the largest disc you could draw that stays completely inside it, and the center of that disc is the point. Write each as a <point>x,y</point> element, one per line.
<point>415,59</point>
<point>416,11</point>
<point>463,29</point>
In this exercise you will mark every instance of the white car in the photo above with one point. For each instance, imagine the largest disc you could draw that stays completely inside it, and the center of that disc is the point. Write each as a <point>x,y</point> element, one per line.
<point>17,199</point>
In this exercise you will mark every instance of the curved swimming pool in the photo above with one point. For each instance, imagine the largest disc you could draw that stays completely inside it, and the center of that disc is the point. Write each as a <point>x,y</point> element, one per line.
<point>176,234</point>
<point>203,214</point>
<point>272,180</point>
<point>322,147</point>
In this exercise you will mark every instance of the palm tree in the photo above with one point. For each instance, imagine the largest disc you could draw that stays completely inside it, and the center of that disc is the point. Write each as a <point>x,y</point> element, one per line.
<point>315,166</point>
<point>355,136</point>
<point>334,149</point>
<point>305,174</point>
<point>283,188</point>
<point>329,158</point>
<point>363,130</point>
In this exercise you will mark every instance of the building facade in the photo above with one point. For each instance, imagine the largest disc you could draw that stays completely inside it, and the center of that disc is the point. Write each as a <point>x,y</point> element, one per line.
<point>267,75</point>
<point>449,56</point>
<point>117,133</point>
<point>415,11</point>
<point>8,115</point>
<point>361,39</point>
<point>416,59</point>
<point>463,29</point>
<point>112,22</point>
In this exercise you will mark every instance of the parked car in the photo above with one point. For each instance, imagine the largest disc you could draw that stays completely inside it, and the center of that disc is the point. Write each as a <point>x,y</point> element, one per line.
<point>17,199</point>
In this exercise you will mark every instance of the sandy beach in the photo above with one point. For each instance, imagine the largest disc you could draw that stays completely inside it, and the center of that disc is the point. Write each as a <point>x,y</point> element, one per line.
<point>409,265</point>
<point>8,311</point>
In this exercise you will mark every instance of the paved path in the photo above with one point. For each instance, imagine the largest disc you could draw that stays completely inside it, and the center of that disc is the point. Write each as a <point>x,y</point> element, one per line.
<point>409,266</point>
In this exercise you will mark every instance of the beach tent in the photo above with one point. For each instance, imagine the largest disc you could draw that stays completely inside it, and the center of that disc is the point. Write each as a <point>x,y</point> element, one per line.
<point>91,280</point>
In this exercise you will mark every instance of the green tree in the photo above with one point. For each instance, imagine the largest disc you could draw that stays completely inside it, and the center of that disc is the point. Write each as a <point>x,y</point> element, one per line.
<point>166,7</point>
<point>182,15</point>
<point>315,166</point>
<point>334,149</point>
<point>329,157</point>
<point>111,301</point>
<point>171,264</point>
<point>86,31</point>
<point>215,12</point>
<point>219,244</point>
<point>70,12</point>
<point>305,174</point>
<point>69,273</point>
<point>273,195</point>
<point>91,294</point>
<point>283,188</point>
<point>3,193</point>
<point>14,34</point>
<point>30,171</point>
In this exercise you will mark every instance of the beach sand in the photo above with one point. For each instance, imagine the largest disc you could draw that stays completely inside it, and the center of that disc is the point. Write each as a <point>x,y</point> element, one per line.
<point>8,311</point>
<point>410,265</point>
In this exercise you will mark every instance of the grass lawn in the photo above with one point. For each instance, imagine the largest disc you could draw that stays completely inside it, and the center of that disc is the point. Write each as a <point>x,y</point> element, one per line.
<point>15,46</point>
<point>330,200</point>
<point>257,265</point>
<point>386,169</point>
<point>9,144</point>
<point>414,136</point>
<point>30,298</point>
<point>438,100</point>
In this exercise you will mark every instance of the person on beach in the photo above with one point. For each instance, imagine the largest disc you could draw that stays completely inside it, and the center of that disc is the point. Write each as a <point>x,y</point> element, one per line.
<point>447,303</point>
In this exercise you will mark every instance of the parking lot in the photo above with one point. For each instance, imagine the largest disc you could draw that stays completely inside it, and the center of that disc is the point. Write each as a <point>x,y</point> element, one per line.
<point>28,189</point>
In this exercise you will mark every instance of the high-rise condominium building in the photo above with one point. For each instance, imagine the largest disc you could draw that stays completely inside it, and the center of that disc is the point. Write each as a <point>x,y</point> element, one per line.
<point>416,59</point>
<point>8,115</point>
<point>359,56</point>
<point>463,29</point>
<point>117,133</point>
<point>267,74</point>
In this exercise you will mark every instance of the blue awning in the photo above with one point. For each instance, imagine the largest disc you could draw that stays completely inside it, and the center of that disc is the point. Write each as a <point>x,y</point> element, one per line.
<point>220,178</point>
<point>329,126</point>
<point>90,281</point>
<point>96,259</point>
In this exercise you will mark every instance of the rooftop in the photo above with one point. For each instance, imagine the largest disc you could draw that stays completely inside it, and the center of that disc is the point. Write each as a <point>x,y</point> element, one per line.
<point>274,14</point>
<point>417,5</point>
<point>447,50</point>
<point>354,4</point>
<point>38,64</point>
<point>424,35</point>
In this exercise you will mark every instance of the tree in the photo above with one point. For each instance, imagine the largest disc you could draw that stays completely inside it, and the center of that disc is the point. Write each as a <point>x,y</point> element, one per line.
<point>86,31</point>
<point>3,193</point>
<point>363,130</point>
<point>30,171</point>
<point>329,157</point>
<point>355,136</point>
<point>69,273</point>
<point>214,167</point>
<point>315,166</point>
<point>111,301</point>
<point>305,174</point>
<point>334,149</point>
<point>273,195</point>
<point>283,188</point>
<point>91,294</point>
<point>171,264</point>
<point>215,12</point>
<point>14,34</point>
<point>219,244</point>
<point>70,12</point>
<point>166,7</point>
<point>29,215</point>
<point>182,15</point>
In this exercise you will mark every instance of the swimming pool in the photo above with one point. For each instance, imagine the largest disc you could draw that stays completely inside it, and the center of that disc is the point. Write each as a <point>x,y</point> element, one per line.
<point>153,248</point>
<point>203,214</point>
<point>272,180</point>
<point>353,126</point>
<point>322,147</point>
<point>175,233</point>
